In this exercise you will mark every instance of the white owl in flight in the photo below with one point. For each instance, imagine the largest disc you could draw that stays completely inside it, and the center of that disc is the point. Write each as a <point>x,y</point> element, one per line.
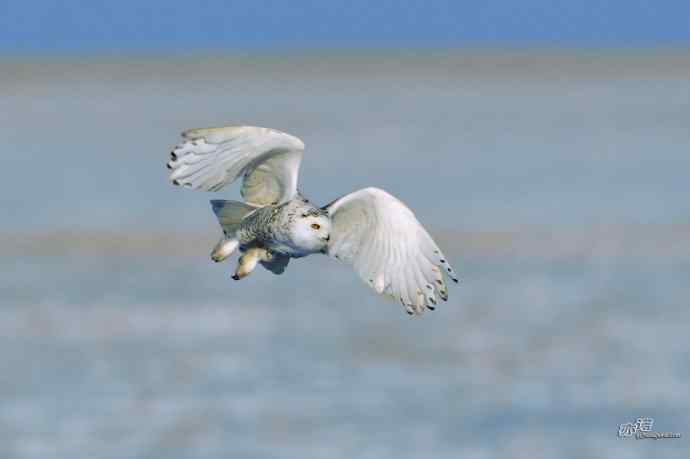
<point>370,229</point>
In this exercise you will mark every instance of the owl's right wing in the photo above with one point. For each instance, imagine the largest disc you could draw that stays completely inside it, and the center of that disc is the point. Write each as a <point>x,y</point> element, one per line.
<point>267,160</point>
<point>390,250</point>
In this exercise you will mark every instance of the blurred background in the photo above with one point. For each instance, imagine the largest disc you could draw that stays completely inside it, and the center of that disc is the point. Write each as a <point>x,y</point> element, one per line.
<point>543,144</point>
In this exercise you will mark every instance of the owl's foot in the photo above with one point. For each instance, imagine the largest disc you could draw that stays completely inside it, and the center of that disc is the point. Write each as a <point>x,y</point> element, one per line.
<point>247,262</point>
<point>223,249</point>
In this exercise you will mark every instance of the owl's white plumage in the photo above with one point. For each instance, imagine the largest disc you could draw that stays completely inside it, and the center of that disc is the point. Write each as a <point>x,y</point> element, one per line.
<point>370,229</point>
<point>390,250</point>
<point>211,158</point>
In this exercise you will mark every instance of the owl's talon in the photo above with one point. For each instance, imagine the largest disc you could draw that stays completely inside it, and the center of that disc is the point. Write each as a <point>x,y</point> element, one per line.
<point>224,249</point>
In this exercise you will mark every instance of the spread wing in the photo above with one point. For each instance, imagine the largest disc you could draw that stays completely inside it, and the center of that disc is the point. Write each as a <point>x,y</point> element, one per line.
<point>390,250</point>
<point>266,159</point>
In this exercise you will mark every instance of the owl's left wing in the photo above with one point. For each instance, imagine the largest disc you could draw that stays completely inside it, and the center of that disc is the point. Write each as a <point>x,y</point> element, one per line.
<point>390,250</point>
<point>267,161</point>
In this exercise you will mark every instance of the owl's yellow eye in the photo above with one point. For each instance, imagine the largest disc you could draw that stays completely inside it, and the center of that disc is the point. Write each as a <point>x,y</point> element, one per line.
<point>315,226</point>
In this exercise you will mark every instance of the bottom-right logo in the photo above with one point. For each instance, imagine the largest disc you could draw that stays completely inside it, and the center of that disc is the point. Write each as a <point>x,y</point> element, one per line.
<point>641,429</point>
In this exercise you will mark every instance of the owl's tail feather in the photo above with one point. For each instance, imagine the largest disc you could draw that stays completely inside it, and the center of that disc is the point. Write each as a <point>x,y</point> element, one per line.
<point>230,214</point>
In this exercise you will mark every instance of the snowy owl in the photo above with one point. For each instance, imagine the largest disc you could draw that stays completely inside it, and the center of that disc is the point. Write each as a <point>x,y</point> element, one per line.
<point>370,229</point>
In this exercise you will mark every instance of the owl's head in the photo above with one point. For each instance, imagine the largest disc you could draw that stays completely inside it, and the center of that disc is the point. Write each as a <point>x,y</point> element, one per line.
<point>311,230</point>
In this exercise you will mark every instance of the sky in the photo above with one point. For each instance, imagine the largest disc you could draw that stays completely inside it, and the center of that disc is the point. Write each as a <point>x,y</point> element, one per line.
<point>122,26</point>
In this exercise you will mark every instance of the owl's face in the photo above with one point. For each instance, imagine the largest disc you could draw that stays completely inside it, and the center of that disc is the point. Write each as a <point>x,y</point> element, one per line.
<point>311,231</point>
